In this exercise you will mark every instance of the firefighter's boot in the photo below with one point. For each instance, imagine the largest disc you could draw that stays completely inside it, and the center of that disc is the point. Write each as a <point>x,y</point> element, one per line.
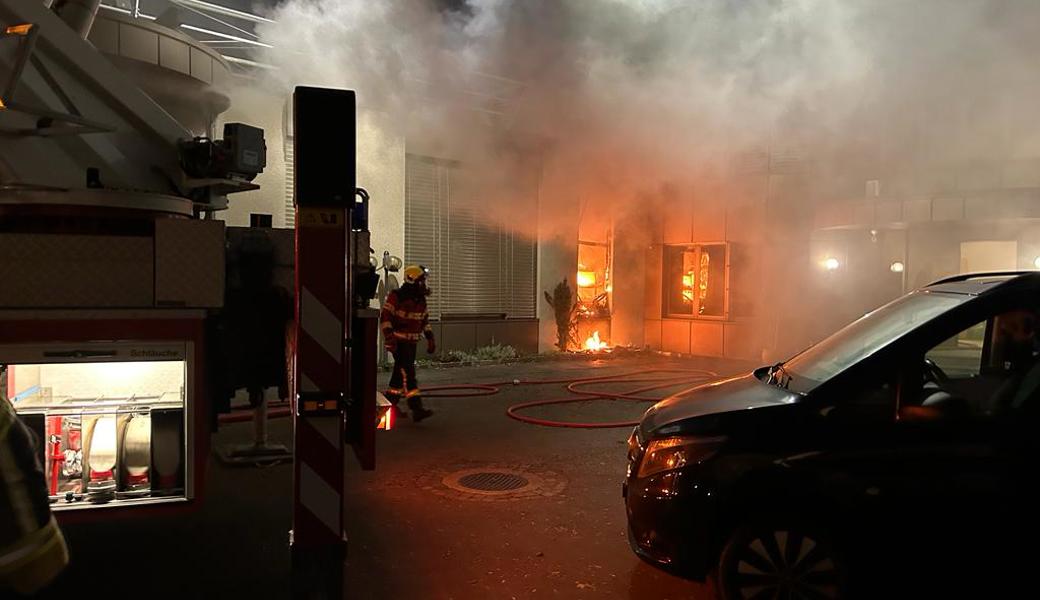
<point>418,411</point>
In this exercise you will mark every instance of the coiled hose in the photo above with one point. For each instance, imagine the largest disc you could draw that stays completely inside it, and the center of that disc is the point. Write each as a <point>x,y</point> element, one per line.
<point>656,379</point>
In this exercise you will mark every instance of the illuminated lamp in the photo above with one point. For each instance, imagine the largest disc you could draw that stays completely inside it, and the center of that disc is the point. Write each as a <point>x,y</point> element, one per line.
<point>831,264</point>
<point>1036,262</point>
<point>586,279</point>
<point>897,267</point>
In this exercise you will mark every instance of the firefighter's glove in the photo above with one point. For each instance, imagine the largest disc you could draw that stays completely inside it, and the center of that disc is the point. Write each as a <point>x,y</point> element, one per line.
<point>391,343</point>
<point>431,346</point>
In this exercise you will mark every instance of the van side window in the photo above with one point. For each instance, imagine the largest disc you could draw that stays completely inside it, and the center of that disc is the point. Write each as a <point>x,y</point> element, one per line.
<point>984,370</point>
<point>960,357</point>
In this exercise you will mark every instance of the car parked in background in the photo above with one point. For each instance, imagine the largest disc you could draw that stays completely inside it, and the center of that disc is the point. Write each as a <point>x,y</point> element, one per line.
<point>894,458</point>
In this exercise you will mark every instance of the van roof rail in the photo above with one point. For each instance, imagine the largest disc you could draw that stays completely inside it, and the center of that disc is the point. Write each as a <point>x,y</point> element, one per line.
<point>978,275</point>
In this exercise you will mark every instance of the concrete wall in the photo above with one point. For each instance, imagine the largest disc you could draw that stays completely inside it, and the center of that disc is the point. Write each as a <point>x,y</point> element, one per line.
<point>381,162</point>
<point>468,334</point>
<point>710,214</point>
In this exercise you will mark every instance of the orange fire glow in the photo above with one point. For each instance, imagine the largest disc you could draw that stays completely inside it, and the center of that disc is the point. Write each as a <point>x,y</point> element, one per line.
<point>586,279</point>
<point>384,413</point>
<point>386,422</point>
<point>594,344</point>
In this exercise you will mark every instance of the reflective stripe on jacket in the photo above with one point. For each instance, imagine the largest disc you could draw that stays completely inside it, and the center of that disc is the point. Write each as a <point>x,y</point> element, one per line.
<point>32,549</point>
<point>405,317</point>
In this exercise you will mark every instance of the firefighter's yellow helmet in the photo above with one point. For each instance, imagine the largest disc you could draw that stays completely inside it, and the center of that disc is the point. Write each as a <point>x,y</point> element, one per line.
<point>415,273</point>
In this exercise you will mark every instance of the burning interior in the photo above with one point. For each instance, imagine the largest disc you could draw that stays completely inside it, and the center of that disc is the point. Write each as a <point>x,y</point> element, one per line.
<point>695,280</point>
<point>592,305</point>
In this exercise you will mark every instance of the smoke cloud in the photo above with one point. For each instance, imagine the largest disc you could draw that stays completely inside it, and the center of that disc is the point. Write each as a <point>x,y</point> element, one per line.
<point>627,95</point>
<point>628,101</point>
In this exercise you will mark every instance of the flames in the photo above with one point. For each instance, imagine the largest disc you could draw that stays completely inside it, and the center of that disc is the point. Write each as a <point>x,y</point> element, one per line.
<point>594,344</point>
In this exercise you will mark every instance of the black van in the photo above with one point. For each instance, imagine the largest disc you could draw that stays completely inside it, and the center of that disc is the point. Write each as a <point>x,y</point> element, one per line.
<point>892,459</point>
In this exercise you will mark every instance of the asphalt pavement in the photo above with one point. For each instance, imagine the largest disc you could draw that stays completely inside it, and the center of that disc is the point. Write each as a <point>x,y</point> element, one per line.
<point>414,532</point>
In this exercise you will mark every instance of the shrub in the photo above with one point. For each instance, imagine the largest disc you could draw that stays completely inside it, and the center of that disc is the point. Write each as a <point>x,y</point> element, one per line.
<point>484,353</point>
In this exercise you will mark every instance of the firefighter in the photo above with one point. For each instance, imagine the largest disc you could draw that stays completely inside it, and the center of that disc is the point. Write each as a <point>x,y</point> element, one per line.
<point>32,548</point>
<point>405,321</point>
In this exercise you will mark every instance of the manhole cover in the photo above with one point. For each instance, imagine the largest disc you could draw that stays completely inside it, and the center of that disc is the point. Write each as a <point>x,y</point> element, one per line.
<point>492,482</point>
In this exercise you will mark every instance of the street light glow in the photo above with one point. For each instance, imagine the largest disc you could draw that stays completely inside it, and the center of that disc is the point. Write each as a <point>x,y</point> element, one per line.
<point>831,263</point>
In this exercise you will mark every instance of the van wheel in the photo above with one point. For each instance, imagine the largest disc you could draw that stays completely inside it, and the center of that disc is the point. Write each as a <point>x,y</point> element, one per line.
<point>787,562</point>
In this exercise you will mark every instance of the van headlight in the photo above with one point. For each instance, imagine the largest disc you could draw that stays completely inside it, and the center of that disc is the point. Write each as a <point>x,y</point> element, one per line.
<point>670,453</point>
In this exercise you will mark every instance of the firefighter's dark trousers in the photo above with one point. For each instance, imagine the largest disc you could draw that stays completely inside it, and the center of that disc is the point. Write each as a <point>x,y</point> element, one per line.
<point>402,382</point>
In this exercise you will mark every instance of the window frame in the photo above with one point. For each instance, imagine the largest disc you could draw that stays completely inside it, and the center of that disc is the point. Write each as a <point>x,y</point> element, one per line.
<point>607,282</point>
<point>666,292</point>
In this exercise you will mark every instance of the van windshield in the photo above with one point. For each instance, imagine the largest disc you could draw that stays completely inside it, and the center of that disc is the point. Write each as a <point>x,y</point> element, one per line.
<point>866,335</point>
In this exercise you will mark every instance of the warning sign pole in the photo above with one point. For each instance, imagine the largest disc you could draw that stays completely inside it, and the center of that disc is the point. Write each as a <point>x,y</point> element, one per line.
<point>324,188</point>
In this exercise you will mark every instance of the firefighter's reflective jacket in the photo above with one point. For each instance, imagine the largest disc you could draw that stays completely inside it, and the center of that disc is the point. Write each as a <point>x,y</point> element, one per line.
<point>405,315</point>
<point>32,548</point>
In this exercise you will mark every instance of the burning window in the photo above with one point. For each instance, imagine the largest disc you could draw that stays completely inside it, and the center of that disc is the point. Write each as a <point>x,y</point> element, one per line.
<point>696,280</point>
<point>593,280</point>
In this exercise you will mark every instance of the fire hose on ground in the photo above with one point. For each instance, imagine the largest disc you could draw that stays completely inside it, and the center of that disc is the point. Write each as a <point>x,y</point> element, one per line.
<point>655,380</point>
<point>658,379</point>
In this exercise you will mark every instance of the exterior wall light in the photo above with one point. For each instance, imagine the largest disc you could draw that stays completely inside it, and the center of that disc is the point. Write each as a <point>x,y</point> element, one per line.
<point>896,267</point>
<point>831,264</point>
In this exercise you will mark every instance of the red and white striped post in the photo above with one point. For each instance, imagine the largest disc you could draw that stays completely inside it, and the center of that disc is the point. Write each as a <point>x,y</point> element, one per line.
<point>325,184</point>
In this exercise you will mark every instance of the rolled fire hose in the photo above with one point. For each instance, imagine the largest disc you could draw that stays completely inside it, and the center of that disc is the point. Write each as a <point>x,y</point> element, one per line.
<point>137,448</point>
<point>103,444</point>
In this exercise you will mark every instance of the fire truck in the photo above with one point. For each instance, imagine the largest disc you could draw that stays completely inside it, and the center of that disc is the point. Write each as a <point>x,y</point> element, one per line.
<point>117,329</point>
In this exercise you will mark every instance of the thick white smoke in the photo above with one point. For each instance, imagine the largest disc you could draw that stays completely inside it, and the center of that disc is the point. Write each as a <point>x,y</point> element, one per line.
<point>631,103</point>
<point>638,92</point>
<point>630,94</point>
